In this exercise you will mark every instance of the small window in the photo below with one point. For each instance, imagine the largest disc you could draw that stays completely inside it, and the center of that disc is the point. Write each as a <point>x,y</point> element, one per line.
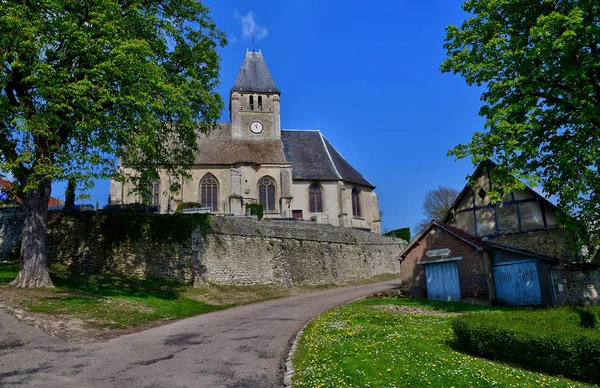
<point>316,199</point>
<point>155,190</point>
<point>297,214</point>
<point>482,194</point>
<point>251,102</point>
<point>259,102</point>
<point>356,211</point>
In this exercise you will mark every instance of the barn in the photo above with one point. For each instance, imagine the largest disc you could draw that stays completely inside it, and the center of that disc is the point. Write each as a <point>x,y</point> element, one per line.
<point>501,252</point>
<point>447,264</point>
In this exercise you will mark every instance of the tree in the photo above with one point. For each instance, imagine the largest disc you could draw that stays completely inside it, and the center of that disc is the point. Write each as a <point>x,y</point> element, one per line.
<point>436,204</point>
<point>539,62</point>
<point>87,82</point>
<point>70,195</point>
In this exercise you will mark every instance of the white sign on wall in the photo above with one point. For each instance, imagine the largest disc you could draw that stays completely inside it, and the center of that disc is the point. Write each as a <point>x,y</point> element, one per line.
<point>438,252</point>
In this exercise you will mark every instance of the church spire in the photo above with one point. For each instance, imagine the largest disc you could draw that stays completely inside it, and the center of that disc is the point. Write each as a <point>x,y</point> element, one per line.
<point>254,76</point>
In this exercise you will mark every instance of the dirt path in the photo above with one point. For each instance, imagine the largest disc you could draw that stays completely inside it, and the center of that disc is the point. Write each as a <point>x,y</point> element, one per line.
<point>240,347</point>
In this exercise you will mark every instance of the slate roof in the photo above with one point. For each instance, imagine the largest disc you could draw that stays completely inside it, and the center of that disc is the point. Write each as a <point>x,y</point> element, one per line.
<point>254,76</point>
<point>314,158</point>
<point>231,151</point>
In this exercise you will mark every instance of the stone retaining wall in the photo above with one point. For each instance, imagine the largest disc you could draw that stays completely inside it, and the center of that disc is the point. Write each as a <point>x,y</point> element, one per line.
<point>220,250</point>
<point>576,287</point>
<point>11,227</point>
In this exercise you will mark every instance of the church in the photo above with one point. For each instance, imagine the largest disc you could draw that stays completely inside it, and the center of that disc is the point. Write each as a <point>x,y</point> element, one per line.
<point>292,173</point>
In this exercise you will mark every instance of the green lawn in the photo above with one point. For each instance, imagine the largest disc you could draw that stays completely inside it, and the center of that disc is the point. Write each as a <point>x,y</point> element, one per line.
<point>356,345</point>
<point>108,302</point>
<point>119,302</point>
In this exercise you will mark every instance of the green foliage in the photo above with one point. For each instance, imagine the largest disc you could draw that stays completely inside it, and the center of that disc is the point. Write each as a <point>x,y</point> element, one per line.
<point>86,82</point>
<point>119,228</point>
<point>357,345</point>
<point>187,205</point>
<point>550,340</point>
<point>8,272</point>
<point>256,209</point>
<point>403,233</point>
<point>538,62</point>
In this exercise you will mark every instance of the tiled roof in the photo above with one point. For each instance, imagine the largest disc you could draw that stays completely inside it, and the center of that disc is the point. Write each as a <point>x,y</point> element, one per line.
<point>314,158</point>
<point>232,151</point>
<point>254,76</point>
<point>474,240</point>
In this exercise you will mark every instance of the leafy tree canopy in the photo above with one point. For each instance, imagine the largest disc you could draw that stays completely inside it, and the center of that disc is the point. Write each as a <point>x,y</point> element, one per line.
<point>86,82</point>
<point>539,61</point>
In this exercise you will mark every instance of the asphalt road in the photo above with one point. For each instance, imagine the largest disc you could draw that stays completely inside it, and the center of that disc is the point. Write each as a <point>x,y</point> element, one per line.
<point>240,347</point>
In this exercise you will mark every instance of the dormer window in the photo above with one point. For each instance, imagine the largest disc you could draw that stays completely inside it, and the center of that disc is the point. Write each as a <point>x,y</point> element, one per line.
<point>251,102</point>
<point>259,102</point>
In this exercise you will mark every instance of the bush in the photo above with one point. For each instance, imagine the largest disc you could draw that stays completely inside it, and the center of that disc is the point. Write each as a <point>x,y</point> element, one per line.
<point>187,205</point>
<point>256,209</point>
<point>552,340</point>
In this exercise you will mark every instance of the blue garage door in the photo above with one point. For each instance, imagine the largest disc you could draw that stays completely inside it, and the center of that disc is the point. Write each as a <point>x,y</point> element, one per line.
<point>442,281</point>
<point>518,284</point>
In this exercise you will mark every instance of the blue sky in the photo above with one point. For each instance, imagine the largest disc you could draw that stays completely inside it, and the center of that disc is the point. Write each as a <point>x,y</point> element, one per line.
<point>366,74</point>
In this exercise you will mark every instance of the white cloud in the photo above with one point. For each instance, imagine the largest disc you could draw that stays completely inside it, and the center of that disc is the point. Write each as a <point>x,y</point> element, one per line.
<point>249,26</point>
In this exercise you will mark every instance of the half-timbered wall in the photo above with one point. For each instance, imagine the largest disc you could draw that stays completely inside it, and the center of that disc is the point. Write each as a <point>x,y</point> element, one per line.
<point>520,211</point>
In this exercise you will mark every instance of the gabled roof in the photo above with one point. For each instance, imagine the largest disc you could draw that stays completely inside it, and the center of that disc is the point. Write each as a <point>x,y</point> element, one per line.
<point>254,76</point>
<point>314,158</point>
<point>476,242</point>
<point>489,164</point>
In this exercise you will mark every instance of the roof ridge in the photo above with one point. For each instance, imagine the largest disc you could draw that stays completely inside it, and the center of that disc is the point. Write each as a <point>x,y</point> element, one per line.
<point>329,155</point>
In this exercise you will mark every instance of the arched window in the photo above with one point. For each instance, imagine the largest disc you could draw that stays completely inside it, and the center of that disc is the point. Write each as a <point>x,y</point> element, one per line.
<point>259,102</point>
<point>155,191</point>
<point>209,192</point>
<point>266,194</point>
<point>316,199</point>
<point>356,203</point>
<point>251,102</point>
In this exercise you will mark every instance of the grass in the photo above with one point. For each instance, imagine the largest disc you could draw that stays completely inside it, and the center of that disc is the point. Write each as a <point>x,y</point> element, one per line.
<point>114,302</point>
<point>356,345</point>
<point>120,302</point>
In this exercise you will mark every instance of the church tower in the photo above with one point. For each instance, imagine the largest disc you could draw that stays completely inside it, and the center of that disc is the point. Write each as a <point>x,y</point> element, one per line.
<point>254,101</point>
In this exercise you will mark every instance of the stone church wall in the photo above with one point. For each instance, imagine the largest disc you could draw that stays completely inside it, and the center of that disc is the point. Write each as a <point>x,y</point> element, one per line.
<point>220,250</point>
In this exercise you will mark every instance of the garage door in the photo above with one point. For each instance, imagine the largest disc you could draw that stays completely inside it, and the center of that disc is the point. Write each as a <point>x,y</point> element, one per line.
<point>442,281</point>
<point>518,284</point>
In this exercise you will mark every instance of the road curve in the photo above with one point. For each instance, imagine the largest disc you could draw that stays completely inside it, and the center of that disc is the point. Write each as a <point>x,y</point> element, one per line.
<point>239,347</point>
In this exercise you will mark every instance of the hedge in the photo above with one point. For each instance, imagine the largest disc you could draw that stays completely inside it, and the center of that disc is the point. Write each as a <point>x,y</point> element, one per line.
<point>256,209</point>
<point>187,205</point>
<point>563,341</point>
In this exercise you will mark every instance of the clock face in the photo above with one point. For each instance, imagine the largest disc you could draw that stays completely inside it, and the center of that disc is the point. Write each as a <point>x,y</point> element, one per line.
<point>256,127</point>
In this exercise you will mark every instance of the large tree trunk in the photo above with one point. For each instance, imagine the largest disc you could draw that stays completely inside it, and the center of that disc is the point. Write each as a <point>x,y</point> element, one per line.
<point>34,265</point>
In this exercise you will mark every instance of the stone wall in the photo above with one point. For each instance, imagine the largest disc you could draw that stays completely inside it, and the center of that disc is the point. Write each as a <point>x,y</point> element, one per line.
<point>246,251</point>
<point>11,227</point>
<point>576,287</point>
<point>220,250</point>
<point>546,242</point>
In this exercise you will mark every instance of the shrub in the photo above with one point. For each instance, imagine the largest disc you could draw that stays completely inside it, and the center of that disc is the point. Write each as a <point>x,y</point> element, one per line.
<point>551,340</point>
<point>187,205</point>
<point>256,209</point>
